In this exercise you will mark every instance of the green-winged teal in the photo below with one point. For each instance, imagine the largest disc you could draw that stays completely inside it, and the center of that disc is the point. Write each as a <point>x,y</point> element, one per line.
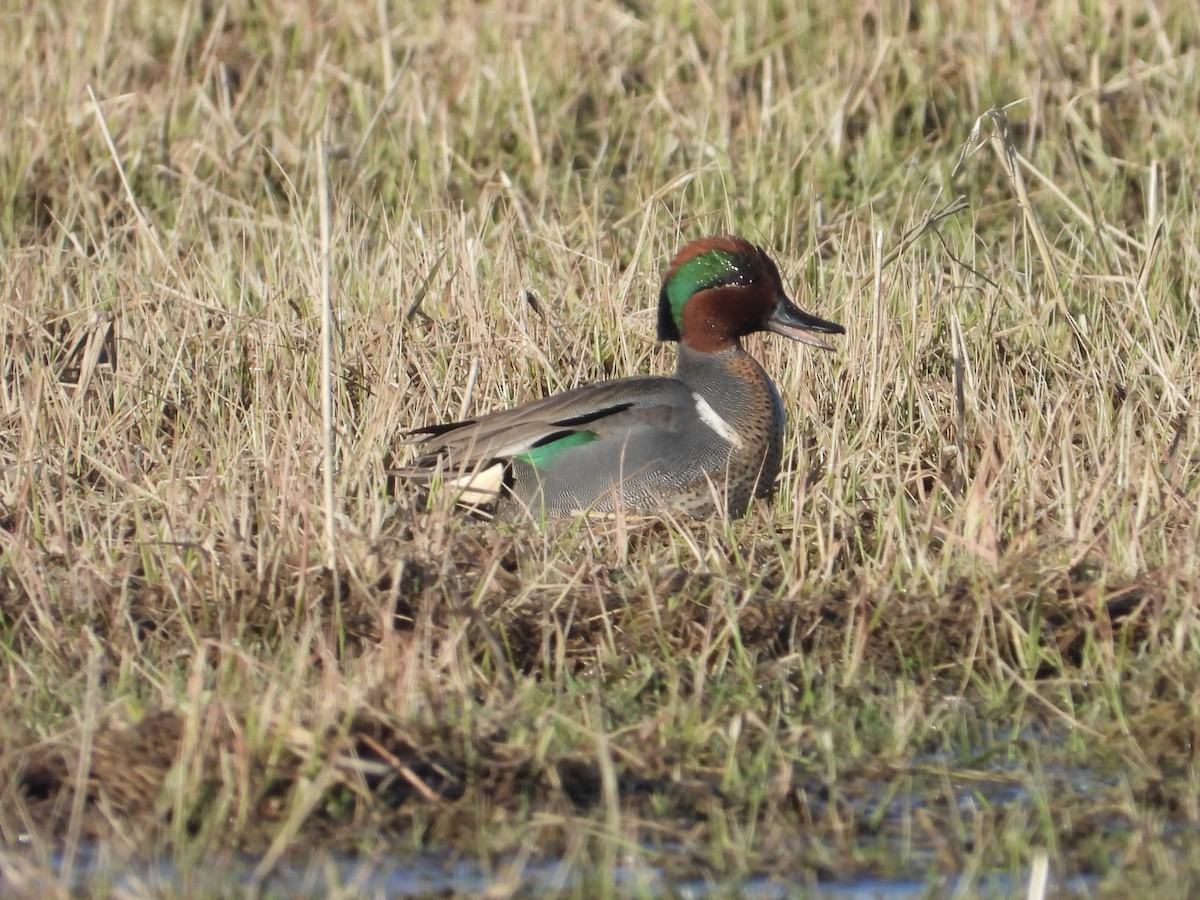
<point>708,439</point>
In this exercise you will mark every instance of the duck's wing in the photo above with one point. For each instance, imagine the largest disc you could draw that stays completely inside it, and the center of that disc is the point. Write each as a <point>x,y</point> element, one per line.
<point>612,410</point>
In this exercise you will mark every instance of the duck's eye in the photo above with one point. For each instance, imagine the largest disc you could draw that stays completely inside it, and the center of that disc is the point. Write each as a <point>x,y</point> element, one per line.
<point>738,275</point>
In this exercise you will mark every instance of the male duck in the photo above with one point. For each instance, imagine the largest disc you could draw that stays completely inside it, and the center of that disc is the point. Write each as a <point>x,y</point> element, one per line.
<point>708,439</point>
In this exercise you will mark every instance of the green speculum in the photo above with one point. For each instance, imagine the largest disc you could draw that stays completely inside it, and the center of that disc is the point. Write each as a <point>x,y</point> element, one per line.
<point>698,273</point>
<point>544,453</point>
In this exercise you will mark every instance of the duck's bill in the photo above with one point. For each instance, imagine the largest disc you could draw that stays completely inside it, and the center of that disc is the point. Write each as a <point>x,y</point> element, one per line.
<point>793,322</point>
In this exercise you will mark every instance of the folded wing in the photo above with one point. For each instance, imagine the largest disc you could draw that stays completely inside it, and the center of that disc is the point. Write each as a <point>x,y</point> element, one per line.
<point>476,455</point>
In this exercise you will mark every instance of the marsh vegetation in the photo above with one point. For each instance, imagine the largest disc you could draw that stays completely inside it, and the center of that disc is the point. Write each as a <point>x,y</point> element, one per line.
<point>962,637</point>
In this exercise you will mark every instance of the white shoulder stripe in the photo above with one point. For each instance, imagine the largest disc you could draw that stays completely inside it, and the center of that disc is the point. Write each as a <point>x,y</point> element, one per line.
<point>713,420</point>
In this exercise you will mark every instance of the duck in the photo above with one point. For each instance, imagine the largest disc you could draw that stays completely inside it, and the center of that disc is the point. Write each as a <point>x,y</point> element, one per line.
<point>707,440</point>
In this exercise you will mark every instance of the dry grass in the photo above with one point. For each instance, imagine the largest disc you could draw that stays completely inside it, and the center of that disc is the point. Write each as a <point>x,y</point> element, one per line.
<point>962,633</point>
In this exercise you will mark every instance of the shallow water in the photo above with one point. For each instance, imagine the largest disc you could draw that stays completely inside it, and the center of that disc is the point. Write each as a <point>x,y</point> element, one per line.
<point>434,874</point>
<point>996,784</point>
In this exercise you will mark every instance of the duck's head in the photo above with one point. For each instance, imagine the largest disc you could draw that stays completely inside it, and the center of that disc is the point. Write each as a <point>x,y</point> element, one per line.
<point>718,289</point>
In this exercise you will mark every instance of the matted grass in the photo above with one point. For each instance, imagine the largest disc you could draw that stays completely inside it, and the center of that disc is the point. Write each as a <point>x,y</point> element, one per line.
<point>962,635</point>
